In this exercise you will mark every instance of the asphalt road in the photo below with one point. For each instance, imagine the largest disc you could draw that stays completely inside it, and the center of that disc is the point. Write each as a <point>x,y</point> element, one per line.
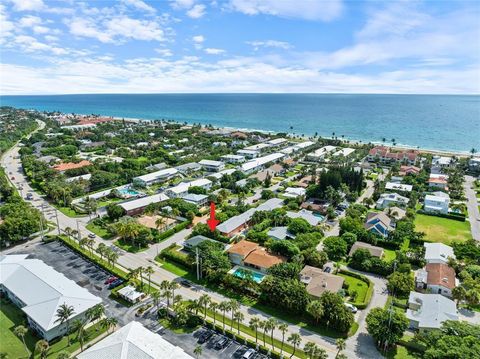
<point>472,206</point>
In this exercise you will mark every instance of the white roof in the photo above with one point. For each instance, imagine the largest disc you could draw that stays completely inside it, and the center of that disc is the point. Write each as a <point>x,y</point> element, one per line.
<point>434,309</point>
<point>260,161</point>
<point>143,202</point>
<point>322,151</point>
<point>306,215</point>
<point>430,197</point>
<point>437,251</point>
<point>220,174</point>
<point>295,191</point>
<point>278,232</point>
<point>130,293</point>
<point>235,222</point>
<point>277,141</point>
<point>166,172</point>
<point>183,187</point>
<point>392,197</point>
<point>211,163</point>
<point>437,160</point>
<point>344,152</point>
<point>43,289</point>
<point>133,341</point>
<point>233,157</point>
<point>304,144</point>
<point>247,152</point>
<point>257,147</point>
<point>85,177</point>
<point>192,197</point>
<point>398,186</point>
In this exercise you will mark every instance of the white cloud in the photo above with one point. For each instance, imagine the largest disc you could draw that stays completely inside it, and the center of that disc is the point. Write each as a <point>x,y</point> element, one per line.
<point>31,44</point>
<point>306,10</point>
<point>40,29</point>
<point>140,5</point>
<point>213,51</point>
<point>164,52</point>
<point>51,38</point>
<point>182,4</point>
<point>197,11</point>
<point>270,43</point>
<point>29,21</point>
<point>198,39</point>
<point>28,5</point>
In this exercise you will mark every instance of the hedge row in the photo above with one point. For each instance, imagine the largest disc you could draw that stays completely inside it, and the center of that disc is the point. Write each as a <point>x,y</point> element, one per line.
<point>455,216</point>
<point>173,255</point>
<point>368,296</point>
<point>172,231</point>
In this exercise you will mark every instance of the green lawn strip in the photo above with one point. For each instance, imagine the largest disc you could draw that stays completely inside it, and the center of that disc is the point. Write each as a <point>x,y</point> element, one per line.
<point>444,230</point>
<point>247,330</point>
<point>177,330</point>
<point>99,231</point>
<point>69,212</point>
<point>129,247</point>
<point>11,316</point>
<point>356,284</point>
<point>389,255</point>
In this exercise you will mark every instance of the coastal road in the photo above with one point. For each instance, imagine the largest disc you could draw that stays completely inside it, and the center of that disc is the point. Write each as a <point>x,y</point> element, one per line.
<point>472,206</point>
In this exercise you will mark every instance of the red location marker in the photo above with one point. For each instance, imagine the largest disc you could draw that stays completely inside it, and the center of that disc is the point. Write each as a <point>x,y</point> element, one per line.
<point>212,222</point>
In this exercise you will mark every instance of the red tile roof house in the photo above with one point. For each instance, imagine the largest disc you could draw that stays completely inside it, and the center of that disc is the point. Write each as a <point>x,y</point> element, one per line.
<point>437,278</point>
<point>384,155</point>
<point>252,255</point>
<point>406,170</point>
<point>62,167</point>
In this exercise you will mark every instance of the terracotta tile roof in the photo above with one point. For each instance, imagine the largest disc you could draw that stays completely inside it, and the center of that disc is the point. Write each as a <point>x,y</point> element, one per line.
<point>72,165</point>
<point>243,248</point>
<point>94,120</point>
<point>409,169</point>
<point>438,180</point>
<point>261,258</point>
<point>440,274</point>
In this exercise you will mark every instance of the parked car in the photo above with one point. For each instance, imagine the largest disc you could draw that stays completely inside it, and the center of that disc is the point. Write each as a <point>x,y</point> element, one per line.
<point>91,235</point>
<point>249,354</point>
<point>29,196</point>
<point>351,307</point>
<point>222,343</point>
<point>110,280</point>
<point>205,336</point>
<point>115,284</point>
<point>185,283</point>
<point>327,270</point>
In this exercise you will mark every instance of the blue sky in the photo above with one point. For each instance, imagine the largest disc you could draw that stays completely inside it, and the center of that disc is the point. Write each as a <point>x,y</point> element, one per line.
<point>135,46</point>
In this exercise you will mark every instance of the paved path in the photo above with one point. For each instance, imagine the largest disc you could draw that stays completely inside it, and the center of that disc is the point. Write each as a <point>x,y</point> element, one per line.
<point>472,206</point>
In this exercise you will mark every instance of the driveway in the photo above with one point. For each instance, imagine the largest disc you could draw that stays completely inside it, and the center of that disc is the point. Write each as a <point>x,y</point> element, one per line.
<point>472,206</point>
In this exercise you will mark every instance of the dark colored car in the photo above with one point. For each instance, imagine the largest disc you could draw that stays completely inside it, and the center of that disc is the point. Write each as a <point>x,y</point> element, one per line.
<point>185,283</point>
<point>222,343</point>
<point>205,336</point>
<point>115,284</point>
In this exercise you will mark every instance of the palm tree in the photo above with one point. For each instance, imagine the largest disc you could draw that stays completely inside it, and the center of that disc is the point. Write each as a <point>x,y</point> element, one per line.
<point>233,307</point>
<point>68,231</point>
<point>283,327</point>
<point>160,222</point>
<point>272,325</point>
<point>224,307</point>
<point>340,343</point>
<point>213,308</point>
<point>238,317</point>
<point>310,349</point>
<point>166,293</point>
<point>198,351</point>
<point>173,286</point>
<point>149,271</point>
<point>75,234</point>
<point>90,243</point>
<point>81,333</point>
<point>101,250</point>
<point>295,339</point>
<point>112,258</point>
<point>20,331</point>
<point>141,271</point>
<point>156,298</point>
<point>315,309</point>
<point>83,242</point>
<point>132,274</point>
<point>63,313</point>
<point>109,323</point>
<point>204,301</point>
<point>42,347</point>
<point>254,324</point>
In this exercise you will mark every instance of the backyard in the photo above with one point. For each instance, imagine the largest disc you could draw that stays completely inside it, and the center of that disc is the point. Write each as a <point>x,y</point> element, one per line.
<point>444,230</point>
<point>356,284</point>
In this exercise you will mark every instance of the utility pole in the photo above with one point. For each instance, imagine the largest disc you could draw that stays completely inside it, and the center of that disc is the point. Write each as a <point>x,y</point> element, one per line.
<point>78,232</point>
<point>198,264</point>
<point>41,224</point>
<point>58,224</point>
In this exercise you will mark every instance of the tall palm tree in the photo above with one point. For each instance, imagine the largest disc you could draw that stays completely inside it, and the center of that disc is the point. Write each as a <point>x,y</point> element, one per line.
<point>341,345</point>
<point>141,271</point>
<point>224,307</point>
<point>68,231</point>
<point>90,244</point>
<point>264,326</point>
<point>233,307</point>
<point>254,324</point>
<point>109,323</point>
<point>213,308</point>
<point>173,286</point>
<point>283,327</point>
<point>204,301</point>
<point>311,350</point>
<point>20,331</point>
<point>156,298</point>
<point>112,258</point>
<point>64,312</point>
<point>238,317</point>
<point>83,242</point>
<point>101,250</point>
<point>272,325</point>
<point>295,339</point>
<point>160,223</point>
<point>166,293</point>
<point>42,347</point>
<point>149,271</point>
<point>132,275</point>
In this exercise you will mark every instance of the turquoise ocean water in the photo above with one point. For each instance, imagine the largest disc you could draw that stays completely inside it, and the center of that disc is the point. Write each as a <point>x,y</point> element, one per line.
<point>439,122</point>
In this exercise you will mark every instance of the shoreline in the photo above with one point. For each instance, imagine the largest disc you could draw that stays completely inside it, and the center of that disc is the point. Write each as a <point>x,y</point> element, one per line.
<point>344,140</point>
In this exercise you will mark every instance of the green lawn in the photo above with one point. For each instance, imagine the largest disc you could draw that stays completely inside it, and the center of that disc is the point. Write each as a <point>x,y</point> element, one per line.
<point>389,255</point>
<point>69,212</point>
<point>99,231</point>
<point>128,247</point>
<point>442,230</point>
<point>11,316</point>
<point>357,285</point>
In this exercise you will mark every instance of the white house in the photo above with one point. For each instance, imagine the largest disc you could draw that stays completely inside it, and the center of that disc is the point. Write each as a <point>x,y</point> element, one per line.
<point>138,205</point>
<point>438,278</point>
<point>344,152</point>
<point>39,290</point>
<point>319,154</point>
<point>248,153</point>
<point>212,166</point>
<point>199,200</point>
<point>258,147</point>
<point>436,203</point>
<point>293,192</point>
<point>306,215</point>
<point>393,186</point>
<point>438,181</point>
<point>155,177</point>
<point>181,189</point>
<point>429,311</point>
<point>233,158</point>
<point>259,163</point>
<point>277,141</point>
<point>387,199</point>
<point>438,253</point>
<point>134,341</point>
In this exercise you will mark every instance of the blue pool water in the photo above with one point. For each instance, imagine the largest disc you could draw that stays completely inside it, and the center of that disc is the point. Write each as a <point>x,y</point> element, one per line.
<point>129,192</point>
<point>257,277</point>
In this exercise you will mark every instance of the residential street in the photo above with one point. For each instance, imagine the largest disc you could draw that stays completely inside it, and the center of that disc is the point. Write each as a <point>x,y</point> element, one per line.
<point>472,206</point>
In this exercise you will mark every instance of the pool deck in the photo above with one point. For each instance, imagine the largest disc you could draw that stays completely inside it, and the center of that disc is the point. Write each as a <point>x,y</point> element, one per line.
<point>234,269</point>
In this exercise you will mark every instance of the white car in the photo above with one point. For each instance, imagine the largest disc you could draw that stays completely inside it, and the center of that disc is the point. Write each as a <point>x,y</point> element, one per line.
<point>351,307</point>
<point>249,354</point>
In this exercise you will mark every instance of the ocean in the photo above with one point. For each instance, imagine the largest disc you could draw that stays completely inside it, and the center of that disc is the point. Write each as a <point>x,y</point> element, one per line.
<point>436,122</point>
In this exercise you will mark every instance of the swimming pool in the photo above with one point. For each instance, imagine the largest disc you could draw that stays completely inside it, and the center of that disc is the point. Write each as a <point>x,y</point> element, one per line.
<point>240,272</point>
<point>128,192</point>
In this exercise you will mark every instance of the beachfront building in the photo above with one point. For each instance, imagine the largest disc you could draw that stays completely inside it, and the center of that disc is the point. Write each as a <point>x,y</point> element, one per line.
<point>391,199</point>
<point>133,341</point>
<point>259,147</point>
<point>344,152</point>
<point>181,189</point>
<point>318,282</point>
<point>319,155</point>
<point>307,215</point>
<point>259,163</point>
<point>438,253</point>
<point>392,186</point>
<point>428,311</point>
<point>297,147</point>
<point>137,206</point>
<point>155,177</point>
<point>384,155</point>
<point>437,203</point>
<point>250,254</point>
<point>233,158</point>
<point>212,166</point>
<point>276,142</point>
<point>438,278</point>
<point>237,224</point>
<point>379,223</point>
<point>374,250</point>
<point>39,290</point>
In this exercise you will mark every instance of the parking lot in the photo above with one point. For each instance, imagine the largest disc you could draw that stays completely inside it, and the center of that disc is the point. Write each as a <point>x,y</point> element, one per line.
<point>92,278</point>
